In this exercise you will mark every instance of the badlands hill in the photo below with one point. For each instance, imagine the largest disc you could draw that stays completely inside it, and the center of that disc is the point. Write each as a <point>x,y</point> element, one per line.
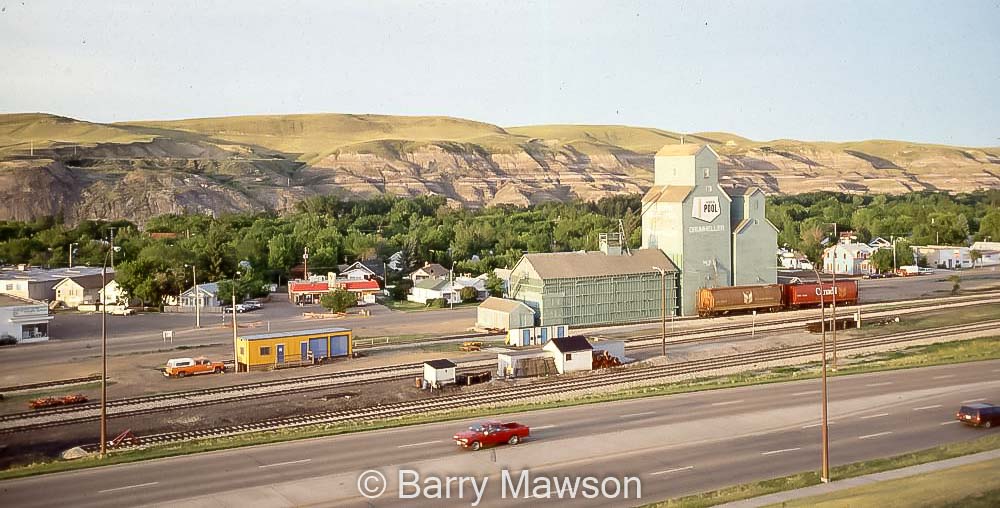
<point>52,165</point>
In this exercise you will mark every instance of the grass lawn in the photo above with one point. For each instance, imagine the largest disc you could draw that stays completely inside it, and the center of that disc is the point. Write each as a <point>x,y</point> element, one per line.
<point>960,486</point>
<point>408,306</point>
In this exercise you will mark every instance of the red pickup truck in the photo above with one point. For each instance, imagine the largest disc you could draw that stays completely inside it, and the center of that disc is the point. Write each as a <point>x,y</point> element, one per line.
<point>491,433</point>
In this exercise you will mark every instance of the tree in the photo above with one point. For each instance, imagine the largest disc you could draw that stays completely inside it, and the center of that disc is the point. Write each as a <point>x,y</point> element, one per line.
<point>494,284</point>
<point>469,294</point>
<point>976,255</point>
<point>956,284</point>
<point>338,300</point>
<point>881,260</point>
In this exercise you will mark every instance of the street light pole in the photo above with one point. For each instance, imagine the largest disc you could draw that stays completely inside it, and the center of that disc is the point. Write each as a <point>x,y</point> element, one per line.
<point>104,354</point>
<point>236,357</point>
<point>71,254</point>
<point>825,475</point>
<point>197,297</point>
<point>663,310</point>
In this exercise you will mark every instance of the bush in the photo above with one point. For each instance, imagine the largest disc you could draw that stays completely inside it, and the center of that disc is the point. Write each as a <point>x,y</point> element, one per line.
<point>437,303</point>
<point>469,294</point>
<point>338,300</point>
<point>401,289</point>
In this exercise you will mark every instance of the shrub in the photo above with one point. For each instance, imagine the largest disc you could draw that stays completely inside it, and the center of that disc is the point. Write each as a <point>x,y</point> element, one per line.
<point>437,303</point>
<point>469,294</point>
<point>338,300</point>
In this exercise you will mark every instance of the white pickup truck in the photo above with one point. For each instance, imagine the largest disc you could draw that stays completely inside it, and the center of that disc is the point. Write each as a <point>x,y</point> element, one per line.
<point>120,310</point>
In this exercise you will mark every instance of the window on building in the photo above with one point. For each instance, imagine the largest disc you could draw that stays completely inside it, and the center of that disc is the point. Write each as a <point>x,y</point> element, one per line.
<point>10,287</point>
<point>35,331</point>
<point>569,356</point>
<point>707,172</point>
<point>265,350</point>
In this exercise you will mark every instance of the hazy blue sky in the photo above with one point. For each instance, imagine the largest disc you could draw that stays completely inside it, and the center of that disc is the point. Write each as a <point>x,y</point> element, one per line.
<point>921,71</point>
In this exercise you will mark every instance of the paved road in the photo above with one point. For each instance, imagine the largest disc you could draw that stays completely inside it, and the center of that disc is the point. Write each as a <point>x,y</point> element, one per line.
<point>674,445</point>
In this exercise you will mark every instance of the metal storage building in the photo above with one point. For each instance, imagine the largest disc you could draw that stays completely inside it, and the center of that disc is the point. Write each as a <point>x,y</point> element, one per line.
<point>503,314</point>
<point>754,239</point>
<point>606,287</point>
<point>286,349</point>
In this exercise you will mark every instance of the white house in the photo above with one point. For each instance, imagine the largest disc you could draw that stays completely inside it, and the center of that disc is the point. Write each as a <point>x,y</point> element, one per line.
<point>23,319</point>
<point>438,373</point>
<point>430,289</point>
<point>359,270</point>
<point>571,354</point>
<point>204,295</point>
<point>74,291</point>
<point>945,256</point>
<point>989,252</point>
<point>116,295</point>
<point>848,258</point>
<point>793,260</point>
<point>477,283</point>
<point>429,271</point>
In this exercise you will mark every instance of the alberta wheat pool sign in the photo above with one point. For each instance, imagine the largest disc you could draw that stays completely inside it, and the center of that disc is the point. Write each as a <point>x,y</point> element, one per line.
<point>706,208</point>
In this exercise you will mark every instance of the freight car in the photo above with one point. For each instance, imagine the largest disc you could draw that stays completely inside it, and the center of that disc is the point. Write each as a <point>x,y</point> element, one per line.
<point>773,297</point>
<point>808,294</point>
<point>715,301</point>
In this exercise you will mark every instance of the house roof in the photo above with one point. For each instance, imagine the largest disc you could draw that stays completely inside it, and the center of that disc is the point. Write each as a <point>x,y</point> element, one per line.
<point>373,266</point>
<point>295,333</point>
<point>433,269</point>
<point>211,288</point>
<point>571,344</point>
<point>359,285</point>
<point>680,150</point>
<point>667,194</point>
<point>17,301</point>
<point>440,364</point>
<point>307,287</point>
<point>86,281</point>
<point>35,274</point>
<point>569,265</point>
<point>503,305</point>
<point>432,284</point>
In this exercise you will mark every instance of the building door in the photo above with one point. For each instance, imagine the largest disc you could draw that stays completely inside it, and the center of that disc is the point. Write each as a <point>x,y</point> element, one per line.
<point>318,347</point>
<point>338,345</point>
<point>303,351</point>
<point>560,331</point>
<point>281,353</point>
<point>525,337</point>
<point>545,335</point>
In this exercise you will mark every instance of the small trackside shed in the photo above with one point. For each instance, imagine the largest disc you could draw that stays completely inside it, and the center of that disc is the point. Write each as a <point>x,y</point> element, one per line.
<point>502,314</point>
<point>438,373</point>
<point>571,354</point>
<point>288,349</point>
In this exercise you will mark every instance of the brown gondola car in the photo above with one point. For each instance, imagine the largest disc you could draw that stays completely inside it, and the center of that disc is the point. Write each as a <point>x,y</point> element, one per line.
<point>807,294</point>
<point>716,301</point>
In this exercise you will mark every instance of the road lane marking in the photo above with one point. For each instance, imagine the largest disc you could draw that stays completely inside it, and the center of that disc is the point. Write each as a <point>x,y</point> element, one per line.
<point>869,436</point>
<point>874,416</point>
<point>879,384</point>
<point>951,422</point>
<point>127,487</point>
<point>727,402</point>
<point>674,470</point>
<point>543,427</point>
<point>637,414</point>
<point>970,401</point>
<point>921,408</point>
<point>799,394</point>
<point>411,445</point>
<point>265,466</point>
<point>946,376</point>
<point>772,452</point>
<point>816,425</point>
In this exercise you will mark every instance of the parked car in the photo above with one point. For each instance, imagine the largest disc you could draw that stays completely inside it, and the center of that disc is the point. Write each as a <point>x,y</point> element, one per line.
<point>181,367</point>
<point>121,310</point>
<point>979,415</point>
<point>252,305</point>
<point>240,308</point>
<point>491,433</point>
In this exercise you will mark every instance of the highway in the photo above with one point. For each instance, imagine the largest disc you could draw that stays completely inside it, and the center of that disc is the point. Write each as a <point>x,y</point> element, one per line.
<point>674,445</point>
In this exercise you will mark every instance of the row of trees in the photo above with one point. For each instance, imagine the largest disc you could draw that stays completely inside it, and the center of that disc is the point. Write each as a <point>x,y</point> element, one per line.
<point>251,249</point>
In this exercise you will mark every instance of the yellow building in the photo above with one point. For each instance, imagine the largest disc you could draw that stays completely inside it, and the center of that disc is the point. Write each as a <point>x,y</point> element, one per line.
<point>284,349</point>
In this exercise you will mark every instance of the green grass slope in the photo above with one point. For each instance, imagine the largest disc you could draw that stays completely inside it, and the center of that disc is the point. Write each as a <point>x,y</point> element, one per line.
<point>19,131</point>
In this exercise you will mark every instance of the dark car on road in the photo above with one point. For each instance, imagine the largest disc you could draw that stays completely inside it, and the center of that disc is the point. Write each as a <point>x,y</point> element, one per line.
<point>979,415</point>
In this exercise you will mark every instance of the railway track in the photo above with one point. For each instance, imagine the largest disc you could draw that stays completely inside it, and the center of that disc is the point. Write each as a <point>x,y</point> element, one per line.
<point>31,420</point>
<point>564,386</point>
<point>59,383</point>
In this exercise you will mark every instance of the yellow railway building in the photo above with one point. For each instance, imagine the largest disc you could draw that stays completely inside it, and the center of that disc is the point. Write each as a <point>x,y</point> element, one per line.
<point>287,349</point>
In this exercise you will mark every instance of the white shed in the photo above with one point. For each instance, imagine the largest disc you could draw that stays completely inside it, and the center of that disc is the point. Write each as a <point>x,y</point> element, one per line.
<point>503,314</point>
<point>439,372</point>
<point>571,354</point>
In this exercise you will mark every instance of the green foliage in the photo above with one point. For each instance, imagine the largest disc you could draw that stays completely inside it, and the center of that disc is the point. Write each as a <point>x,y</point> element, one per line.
<point>437,303</point>
<point>401,289</point>
<point>469,294</point>
<point>956,283</point>
<point>494,284</point>
<point>338,300</point>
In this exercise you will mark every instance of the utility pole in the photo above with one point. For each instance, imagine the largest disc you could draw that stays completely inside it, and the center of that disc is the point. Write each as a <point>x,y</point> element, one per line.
<point>893,253</point>
<point>833,307</point>
<point>197,297</point>
<point>112,247</point>
<point>236,356</point>
<point>825,475</point>
<point>305,264</point>
<point>71,254</point>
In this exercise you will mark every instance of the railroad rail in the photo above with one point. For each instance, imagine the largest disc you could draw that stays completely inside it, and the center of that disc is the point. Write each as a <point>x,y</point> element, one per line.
<point>50,384</point>
<point>557,386</point>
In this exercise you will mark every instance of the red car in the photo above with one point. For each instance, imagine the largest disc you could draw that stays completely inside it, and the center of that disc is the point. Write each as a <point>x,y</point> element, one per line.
<point>491,433</point>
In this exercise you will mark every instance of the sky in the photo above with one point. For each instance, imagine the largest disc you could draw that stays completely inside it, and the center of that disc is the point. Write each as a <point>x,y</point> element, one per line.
<point>809,70</point>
